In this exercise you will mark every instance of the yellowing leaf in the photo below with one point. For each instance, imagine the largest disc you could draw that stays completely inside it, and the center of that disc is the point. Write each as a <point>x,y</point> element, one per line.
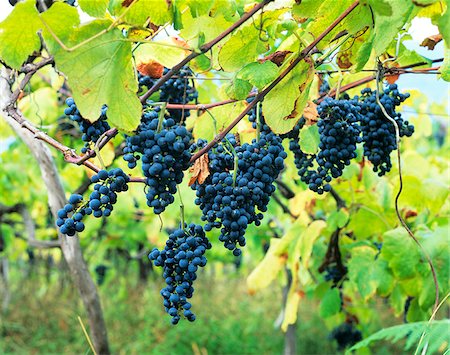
<point>231,55</point>
<point>291,309</point>
<point>267,270</point>
<point>162,52</point>
<point>283,106</point>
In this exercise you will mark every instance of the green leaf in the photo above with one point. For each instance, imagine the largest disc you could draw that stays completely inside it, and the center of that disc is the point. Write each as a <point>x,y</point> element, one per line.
<point>238,89</point>
<point>381,7</point>
<point>259,74</point>
<point>199,7</point>
<point>331,303</point>
<point>445,67</point>
<point>94,8</point>
<point>436,334</point>
<point>337,219</point>
<point>101,72</point>
<point>283,106</point>
<point>361,271</point>
<point>444,25</point>
<point>388,26</point>
<point>309,139</point>
<point>62,20</point>
<point>232,57</point>
<point>401,253</point>
<point>18,36</point>
<point>159,11</point>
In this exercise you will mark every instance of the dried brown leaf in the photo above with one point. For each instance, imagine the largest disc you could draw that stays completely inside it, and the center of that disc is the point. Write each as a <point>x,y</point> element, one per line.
<point>152,68</point>
<point>310,113</point>
<point>200,170</point>
<point>276,57</point>
<point>431,41</point>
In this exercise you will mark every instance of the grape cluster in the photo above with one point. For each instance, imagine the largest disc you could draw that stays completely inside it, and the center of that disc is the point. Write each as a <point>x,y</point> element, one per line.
<point>378,133</point>
<point>164,147</point>
<point>101,201</point>
<point>339,133</point>
<point>332,272</point>
<point>176,90</point>
<point>91,132</point>
<point>346,335</point>
<point>230,199</point>
<point>324,88</point>
<point>180,260</point>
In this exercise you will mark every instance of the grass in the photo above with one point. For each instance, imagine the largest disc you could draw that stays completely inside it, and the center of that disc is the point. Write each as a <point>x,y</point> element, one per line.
<point>42,319</point>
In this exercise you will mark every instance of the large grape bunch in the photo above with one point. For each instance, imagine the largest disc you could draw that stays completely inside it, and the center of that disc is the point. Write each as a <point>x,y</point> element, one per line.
<point>378,133</point>
<point>230,199</point>
<point>176,90</point>
<point>164,148</point>
<point>100,203</point>
<point>91,131</point>
<point>339,133</point>
<point>180,260</point>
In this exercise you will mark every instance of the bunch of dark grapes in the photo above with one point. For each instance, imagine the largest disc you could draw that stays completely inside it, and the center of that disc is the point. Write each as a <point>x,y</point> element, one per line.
<point>164,147</point>
<point>180,260</point>
<point>230,199</point>
<point>176,90</point>
<point>91,132</point>
<point>339,133</point>
<point>135,144</point>
<point>378,133</point>
<point>100,203</point>
<point>335,273</point>
<point>346,335</point>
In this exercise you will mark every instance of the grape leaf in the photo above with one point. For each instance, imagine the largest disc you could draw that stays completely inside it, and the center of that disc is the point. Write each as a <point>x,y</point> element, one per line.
<point>283,106</point>
<point>157,51</point>
<point>101,72</point>
<point>362,270</point>
<point>94,8</point>
<point>445,67</point>
<point>388,26</point>
<point>401,253</point>
<point>268,269</point>
<point>238,89</point>
<point>159,11</point>
<point>231,55</point>
<point>444,25</point>
<point>259,74</point>
<point>331,303</point>
<point>309,139</point>
<point>18,37</point>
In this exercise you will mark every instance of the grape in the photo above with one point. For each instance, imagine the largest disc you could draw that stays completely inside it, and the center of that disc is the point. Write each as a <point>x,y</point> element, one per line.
<point>378,133</point>
<point>91,132</point>
<point>324,88</point>
<point>346,335</point>
<point>100,203</point>
<point>180,260</point>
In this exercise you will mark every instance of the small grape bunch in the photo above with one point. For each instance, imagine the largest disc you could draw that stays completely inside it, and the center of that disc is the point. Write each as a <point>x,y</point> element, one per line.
<point>100,203</point>
<point>91,131</point>
<point>180,260</point>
